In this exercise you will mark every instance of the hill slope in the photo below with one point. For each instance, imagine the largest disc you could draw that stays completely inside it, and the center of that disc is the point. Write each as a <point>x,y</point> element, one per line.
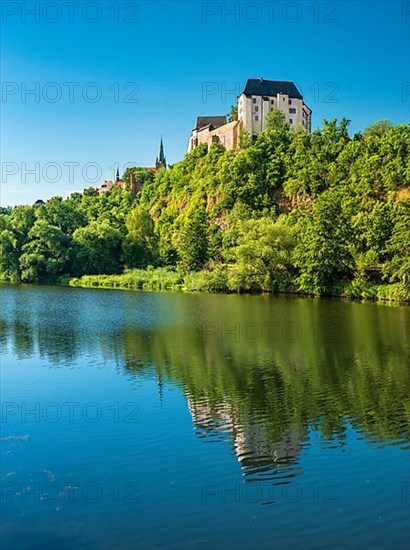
<point>323,213</point>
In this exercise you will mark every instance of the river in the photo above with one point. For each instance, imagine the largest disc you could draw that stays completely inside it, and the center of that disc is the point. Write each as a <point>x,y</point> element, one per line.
<point>169,420</point>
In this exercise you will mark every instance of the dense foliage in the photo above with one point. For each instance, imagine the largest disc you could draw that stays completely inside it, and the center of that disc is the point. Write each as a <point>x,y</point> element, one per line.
<point>324,213</point>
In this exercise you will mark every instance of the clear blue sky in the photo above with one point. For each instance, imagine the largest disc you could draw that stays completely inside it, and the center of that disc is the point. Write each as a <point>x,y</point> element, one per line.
<point>354,53</point>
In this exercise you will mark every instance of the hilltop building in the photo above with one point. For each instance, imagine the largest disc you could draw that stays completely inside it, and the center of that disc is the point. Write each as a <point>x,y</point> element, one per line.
<point>108,184</point>
<point>135,185</point>
<point>258,98</point>
<point>160,161</point>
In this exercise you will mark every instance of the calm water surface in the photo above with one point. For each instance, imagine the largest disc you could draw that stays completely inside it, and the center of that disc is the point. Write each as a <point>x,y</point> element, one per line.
<point>147,420</point>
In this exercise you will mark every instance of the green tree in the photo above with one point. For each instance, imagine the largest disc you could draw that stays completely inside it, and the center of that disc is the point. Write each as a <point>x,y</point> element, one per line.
<point>377,129</point>
<point>97,249</point>
<point>46,255</point>
<point>262,256</point>
<point>276,120</point>
<point>399,245</point>
<point>9,256</point>
<point>233,113</point>
<point>193,247</point>
<point>141,243</point>
<point>61,213</point>
<point>322,253</point>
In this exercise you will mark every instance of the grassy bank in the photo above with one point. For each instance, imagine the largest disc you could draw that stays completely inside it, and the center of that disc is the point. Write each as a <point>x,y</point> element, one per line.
<point>218,281</point>
<point>136,279</point>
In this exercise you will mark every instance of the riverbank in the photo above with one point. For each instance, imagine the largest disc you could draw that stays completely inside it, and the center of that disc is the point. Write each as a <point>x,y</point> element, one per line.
<point>161,279</point>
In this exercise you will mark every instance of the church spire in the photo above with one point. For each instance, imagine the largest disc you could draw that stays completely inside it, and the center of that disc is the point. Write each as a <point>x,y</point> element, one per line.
<point>117,176</point>
<point>161,160</point>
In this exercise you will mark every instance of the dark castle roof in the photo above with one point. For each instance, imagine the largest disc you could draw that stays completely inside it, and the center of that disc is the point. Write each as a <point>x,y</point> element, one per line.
<point>214,121</point>
<point>259,86</point>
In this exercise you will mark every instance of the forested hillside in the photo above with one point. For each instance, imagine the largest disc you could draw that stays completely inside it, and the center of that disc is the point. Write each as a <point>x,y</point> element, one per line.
<point>325,213</point>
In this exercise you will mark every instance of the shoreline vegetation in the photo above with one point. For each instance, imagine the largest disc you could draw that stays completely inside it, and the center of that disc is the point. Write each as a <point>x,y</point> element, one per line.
<point>320,214</point>
<point>163,280</point>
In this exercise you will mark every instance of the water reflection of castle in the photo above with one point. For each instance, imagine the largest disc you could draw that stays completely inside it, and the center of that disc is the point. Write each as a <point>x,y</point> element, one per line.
<point>258,454</point>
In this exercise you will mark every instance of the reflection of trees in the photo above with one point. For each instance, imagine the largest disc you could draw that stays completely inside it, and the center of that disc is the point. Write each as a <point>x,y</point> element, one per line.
<point>350,365</point>
<point>359,373</point>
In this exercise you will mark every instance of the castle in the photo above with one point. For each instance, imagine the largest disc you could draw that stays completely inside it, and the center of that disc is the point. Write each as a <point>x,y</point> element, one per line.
<point>135,185</point>
<point>258,98</point>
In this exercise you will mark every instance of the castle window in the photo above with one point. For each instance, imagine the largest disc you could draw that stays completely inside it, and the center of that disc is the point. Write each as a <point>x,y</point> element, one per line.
<point>254,100</point>
<point>292,111</point>
<point>256,108</point>
<point>291,121</point>
<point>256,118</point>
<point>272,101</point>
<point>290,102</point>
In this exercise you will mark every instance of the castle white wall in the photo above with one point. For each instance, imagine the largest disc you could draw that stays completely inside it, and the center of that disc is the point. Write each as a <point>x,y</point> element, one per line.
<point>252,111</point>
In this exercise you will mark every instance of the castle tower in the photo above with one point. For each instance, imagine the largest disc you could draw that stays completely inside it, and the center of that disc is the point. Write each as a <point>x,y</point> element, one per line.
<point>135,185</point>
<point>160,161</point>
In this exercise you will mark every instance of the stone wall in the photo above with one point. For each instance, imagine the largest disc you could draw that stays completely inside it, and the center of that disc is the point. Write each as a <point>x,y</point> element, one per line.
<point>227,135</point>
